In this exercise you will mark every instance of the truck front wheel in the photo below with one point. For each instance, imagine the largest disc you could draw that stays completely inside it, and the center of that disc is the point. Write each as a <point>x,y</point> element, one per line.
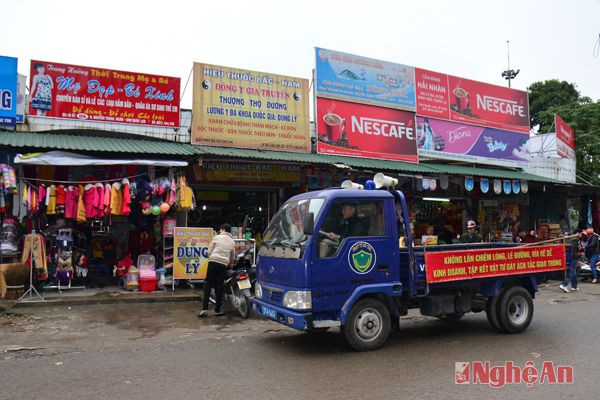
<point>515,309</point>
<point>368,325</point>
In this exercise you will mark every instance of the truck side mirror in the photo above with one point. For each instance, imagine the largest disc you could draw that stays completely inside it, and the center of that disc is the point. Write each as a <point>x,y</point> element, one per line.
<point>308,223</point>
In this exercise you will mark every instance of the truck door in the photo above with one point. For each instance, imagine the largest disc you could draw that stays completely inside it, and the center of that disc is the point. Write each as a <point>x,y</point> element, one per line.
<point>354,247</point>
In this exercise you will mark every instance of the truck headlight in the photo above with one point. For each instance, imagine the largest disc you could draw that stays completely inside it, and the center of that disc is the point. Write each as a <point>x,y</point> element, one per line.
<point>297,299</point>
<point>258,291</point>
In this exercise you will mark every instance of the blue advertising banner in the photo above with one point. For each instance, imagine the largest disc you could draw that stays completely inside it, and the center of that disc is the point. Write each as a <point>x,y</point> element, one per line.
<point>8,91</point>
<point>359,79</point>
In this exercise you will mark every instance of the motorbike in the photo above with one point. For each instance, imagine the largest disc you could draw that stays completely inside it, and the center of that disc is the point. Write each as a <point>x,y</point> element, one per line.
<point>584,271</point>
<point>236,291</point>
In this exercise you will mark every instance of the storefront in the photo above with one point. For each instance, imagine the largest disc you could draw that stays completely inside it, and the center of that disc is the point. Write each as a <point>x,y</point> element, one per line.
<point>90,216</point>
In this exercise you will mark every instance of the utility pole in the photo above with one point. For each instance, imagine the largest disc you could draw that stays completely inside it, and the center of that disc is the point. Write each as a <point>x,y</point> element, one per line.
<point>509,74</point>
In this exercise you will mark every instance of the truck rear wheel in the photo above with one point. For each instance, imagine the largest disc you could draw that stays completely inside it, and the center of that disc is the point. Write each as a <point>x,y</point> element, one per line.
<point>515,309</point>
<point>491,311</point>
<point>368,325</point>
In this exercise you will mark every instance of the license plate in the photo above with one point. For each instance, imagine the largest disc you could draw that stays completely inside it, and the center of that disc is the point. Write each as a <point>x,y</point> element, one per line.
<point>245,284</point>
<point>268,312</point>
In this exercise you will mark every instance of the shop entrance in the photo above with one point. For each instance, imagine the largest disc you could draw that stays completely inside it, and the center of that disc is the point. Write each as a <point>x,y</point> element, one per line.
<point>217,205</point>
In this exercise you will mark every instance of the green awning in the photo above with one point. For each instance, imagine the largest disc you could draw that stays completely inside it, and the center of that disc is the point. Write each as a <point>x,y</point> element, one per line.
<point>312,158</point>
<point>488,172</point>
<point>371,164</point>
<point>32,142</point>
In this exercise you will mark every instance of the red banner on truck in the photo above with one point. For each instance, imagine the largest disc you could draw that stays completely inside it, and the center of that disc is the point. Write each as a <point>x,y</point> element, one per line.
<point>103,95</point>
<point>447,266</point>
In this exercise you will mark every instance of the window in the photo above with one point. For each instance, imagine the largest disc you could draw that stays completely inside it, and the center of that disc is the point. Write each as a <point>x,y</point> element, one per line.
<point>350,219</point>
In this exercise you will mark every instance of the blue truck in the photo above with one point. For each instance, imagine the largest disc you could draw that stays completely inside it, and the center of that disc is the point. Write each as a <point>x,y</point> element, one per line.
<point>346,258</point>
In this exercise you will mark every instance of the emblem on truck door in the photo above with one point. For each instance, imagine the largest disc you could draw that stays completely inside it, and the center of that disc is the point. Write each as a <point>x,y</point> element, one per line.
<point>361,257</point>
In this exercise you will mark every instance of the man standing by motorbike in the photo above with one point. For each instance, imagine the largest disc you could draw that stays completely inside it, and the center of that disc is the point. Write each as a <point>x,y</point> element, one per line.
<point>221,252</point>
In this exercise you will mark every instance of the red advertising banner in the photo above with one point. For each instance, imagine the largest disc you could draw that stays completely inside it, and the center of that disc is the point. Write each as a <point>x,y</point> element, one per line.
<point>565,138</point>
<point>446,266</point>
<point>432,94</point>
<point>361,130</point>
<point>464,100</point>
<point>103,95</point>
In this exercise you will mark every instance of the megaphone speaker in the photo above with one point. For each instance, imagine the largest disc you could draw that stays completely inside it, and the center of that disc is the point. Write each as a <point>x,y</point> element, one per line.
<point>348,184</point>
<point>382,180</point>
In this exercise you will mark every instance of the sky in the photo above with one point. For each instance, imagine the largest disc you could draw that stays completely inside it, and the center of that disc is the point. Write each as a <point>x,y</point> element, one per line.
<point>548,39</point>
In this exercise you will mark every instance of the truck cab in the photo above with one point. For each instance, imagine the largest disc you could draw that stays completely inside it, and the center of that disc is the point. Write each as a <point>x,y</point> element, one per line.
<point>345,258</point>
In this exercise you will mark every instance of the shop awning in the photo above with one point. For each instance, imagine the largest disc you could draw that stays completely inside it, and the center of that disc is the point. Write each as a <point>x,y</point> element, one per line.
<point>312,158</point>
<point>23,142</point>
<point>451,169</point>
<point>63,158</point>
<point>372,164</point>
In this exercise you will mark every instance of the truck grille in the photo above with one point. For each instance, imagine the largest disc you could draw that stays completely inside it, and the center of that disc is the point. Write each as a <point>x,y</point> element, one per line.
<point>272,294</point>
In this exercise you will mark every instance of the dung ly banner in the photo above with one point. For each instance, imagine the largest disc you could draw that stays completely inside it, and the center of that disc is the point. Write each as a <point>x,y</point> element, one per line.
<point>464,142</point>
<point>364,80</point>
<point>190,257</point>
<point>103,95</point>
<point>239,108</point>
<point>446,266</point>
<point>362,130</point>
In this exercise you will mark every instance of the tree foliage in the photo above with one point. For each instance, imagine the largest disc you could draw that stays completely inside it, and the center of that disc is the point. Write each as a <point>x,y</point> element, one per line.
<point>548,94</point>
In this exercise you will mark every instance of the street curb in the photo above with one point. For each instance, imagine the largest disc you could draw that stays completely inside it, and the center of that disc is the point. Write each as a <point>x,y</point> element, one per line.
<point>108,300</point>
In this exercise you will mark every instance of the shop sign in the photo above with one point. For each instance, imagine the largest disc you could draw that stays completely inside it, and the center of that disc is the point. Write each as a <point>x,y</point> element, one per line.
<point>21,84</point>
<point>463,142</point>
<point>246,172</point>
<point>446,266</point>
<point>190,257</point>
<point>8,91</point>
<point>464,100</point>
<point>102,95</point>
<point>484,185</point>
<point>364,80</point>
<point>516,186</point>
<point>360,130</point>
<point>565,138</point>
<point>469,183</point>
<point>240,108</point>
<point>507,187</point>
<point>497,186</point>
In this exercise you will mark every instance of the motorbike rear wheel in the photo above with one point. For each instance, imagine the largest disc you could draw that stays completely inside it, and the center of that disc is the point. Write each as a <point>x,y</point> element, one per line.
<point>243,302</point>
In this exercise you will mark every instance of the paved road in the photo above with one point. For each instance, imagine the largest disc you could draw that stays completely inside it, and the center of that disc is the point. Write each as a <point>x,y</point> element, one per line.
<point>163,351</point>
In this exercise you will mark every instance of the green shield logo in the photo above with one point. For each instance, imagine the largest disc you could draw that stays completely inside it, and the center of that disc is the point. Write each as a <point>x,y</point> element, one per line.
<point>362,260</point>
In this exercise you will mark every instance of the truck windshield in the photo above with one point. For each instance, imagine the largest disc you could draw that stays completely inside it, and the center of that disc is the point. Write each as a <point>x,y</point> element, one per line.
<point>286,227</point>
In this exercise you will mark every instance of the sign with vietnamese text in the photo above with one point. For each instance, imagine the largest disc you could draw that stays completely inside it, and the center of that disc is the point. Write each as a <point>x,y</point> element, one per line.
<point>464,142</point>
<point>239,108</point>
<point>190,257</point>
<point>8,91</point>
<point>446,266</point>
<point>361,130</point>
<point>565,138</point>
<point>215,171</point>
<point>464,100</point>
<point>364,80</point>
<point>102,95</point>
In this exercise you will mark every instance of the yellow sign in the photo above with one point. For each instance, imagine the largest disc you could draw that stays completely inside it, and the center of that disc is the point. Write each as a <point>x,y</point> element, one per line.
<point>246,172</point>
<point>240,108</point>
<point>190,257</point>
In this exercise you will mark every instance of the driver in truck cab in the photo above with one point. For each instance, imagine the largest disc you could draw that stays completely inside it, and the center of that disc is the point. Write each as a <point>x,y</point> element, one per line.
<point>348,225</point>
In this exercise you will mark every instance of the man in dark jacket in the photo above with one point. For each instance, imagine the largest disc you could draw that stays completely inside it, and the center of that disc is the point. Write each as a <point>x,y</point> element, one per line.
<point>349,225</point>
<point>592,251</point>
<point>471,235</point>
